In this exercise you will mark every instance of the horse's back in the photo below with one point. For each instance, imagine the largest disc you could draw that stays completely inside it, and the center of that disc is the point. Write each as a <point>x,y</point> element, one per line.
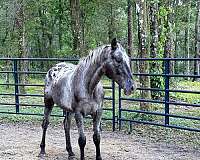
<point>58,84</point>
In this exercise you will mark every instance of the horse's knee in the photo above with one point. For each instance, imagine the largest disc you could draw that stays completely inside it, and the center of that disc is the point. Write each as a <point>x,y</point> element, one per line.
<point>82,141</point>
<point>67,123</point>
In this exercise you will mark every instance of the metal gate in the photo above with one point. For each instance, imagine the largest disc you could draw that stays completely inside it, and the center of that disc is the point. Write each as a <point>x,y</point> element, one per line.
<point>165,109</point>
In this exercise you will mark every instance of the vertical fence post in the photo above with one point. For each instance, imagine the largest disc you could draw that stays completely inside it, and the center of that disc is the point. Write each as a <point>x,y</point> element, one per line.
<point>113,105</point>
<point>16,85</point>
<point>167,72</point>
<point>120,106</point>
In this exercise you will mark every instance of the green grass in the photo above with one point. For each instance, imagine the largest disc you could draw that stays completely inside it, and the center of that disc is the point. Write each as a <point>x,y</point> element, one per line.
<point>187,97</point>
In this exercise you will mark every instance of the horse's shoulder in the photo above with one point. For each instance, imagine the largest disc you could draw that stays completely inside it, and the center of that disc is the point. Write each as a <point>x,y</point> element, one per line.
<point>98,92</point>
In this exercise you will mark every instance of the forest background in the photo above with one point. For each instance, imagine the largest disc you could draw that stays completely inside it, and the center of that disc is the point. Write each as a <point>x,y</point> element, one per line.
<point>70,28</point>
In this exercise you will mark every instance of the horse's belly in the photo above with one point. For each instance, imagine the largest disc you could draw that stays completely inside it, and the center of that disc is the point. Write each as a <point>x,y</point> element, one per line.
<point>62,93</point>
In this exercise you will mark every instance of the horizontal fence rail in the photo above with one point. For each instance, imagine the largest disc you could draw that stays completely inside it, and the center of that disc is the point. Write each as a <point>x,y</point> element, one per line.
<point>166,110</point>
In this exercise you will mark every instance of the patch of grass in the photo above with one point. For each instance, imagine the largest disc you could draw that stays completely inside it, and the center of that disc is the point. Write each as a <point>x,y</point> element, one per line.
<point>187,97</point>
<point>185,122</point>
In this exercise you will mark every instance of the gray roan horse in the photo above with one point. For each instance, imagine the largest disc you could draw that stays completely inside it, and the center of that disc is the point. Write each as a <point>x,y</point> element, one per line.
<point>77,90</point>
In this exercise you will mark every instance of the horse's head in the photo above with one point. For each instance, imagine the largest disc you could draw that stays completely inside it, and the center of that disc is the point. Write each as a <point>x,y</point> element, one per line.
<point>117,67</point>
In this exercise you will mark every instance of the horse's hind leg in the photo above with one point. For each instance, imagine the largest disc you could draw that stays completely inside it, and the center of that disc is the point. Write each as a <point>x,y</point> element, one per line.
<point>47,111</point>
<point>96,135</point>
<point>82,138</point>
<point>67,124</point>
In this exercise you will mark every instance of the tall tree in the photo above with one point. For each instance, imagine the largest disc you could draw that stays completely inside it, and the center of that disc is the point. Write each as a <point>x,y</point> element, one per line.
<point>187,38</point>
<point>60,24</point>
<point>143,47</point>
<point>154,29</point>
<point>23,53</point>
<point>197,43</point>
<point>155,67</point>
<point>111,23</point>
<point>76,25</point>
<point>169,43</point>
<point>130,23</point>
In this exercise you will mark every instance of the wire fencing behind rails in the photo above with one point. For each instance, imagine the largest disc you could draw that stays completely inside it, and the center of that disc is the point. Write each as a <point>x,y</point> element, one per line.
<point>165,103</point>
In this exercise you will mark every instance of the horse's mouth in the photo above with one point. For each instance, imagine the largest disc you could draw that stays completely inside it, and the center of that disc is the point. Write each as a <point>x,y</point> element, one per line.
<point>128,92</point>
<point>128,87</point>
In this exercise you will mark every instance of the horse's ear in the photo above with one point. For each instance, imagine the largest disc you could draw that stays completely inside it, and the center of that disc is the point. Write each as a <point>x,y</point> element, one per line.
<point>114,44</point>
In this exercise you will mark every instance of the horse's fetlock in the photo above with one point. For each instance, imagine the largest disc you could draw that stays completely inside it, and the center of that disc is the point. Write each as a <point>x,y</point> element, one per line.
<point>98,158</point>
<point>96,138</point>
<point>82,141</point>
<point>71,154</point>
<point>42,146</point>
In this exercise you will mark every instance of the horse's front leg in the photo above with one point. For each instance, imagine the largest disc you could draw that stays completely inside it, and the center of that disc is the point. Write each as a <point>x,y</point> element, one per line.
<point>82,138</point>
<point>96,129</point>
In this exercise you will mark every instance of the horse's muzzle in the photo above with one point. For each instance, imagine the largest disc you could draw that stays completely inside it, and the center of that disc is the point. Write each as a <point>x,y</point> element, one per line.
<point>129,87</point>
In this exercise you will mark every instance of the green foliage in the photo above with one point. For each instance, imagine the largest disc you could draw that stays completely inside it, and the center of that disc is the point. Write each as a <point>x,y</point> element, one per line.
<point>48,20</point>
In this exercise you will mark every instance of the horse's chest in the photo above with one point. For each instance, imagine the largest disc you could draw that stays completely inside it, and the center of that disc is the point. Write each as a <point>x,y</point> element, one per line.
<point>87,107</point>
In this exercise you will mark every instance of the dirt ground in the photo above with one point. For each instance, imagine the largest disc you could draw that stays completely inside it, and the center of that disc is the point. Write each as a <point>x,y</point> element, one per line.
<point>21,142</point>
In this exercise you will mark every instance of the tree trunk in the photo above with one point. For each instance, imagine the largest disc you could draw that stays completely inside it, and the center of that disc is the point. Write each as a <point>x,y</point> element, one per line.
<point>20,24</point>
<point>130,30</point>
<point>154,29</point>
<point>111,25</point>
<point>177,44</point>
<point>60,24</point>
<point>197,44</point>
<point>187,40</point>
<point>7,63</point>
<point>42,40</point>
<point>169,43</point>
<point>155,67</point>
<point>76,25</point>
<point>135,65</point>
<point>144,65</point>
<point>83,19</point>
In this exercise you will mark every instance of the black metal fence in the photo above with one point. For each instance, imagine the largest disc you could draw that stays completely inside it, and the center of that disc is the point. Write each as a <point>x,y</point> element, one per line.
<point>166,103</point>
<point>164,111</point>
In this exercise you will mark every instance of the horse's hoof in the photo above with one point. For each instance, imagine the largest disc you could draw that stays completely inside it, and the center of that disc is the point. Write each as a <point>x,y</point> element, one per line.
<point>72,157</point>
<point>99,158</point>
<point>42,155</point>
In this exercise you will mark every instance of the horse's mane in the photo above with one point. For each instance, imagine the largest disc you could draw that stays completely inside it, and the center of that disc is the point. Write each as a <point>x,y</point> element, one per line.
<point>93,57</point>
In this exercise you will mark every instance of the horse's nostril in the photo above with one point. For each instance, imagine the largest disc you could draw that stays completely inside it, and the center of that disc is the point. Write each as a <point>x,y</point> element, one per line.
<point>132,88</point>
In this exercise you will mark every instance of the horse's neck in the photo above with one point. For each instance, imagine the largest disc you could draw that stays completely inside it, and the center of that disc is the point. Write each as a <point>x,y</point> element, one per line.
<point>93,76</point>
<point>89,77</point>
<point>94,79</point>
